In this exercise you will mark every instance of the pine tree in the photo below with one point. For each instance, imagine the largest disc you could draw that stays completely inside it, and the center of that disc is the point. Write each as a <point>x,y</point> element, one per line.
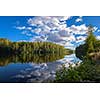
<point>90,41</point>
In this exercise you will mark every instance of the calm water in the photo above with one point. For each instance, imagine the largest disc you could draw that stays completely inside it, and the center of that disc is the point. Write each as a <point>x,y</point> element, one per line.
<point>33,68</point>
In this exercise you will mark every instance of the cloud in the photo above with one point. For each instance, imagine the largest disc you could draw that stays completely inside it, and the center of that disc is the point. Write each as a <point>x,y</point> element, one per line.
<point>48,23</point>
<point>81,29</point>
<point>53,29</point>
<point>21,27</point>
<point>51,21</point>
<point>79,19</point>
<point>28,28</point>
<point>98,30</point>
<point>95,28</point>
<point>80,39</point>
<point>25,32</point>
<point>98,37</point>
<point>54,37</point>
<point>38,38</point>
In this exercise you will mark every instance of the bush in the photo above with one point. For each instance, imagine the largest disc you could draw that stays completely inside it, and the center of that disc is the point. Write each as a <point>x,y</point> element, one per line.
<point>88,71</point>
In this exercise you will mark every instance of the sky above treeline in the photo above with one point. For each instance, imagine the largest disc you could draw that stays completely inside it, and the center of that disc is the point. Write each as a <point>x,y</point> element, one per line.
<point>69,31</point>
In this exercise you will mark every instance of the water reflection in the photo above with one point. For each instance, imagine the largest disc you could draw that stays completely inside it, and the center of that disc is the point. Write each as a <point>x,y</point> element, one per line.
<point>5,60</point>
<point>35,69</point>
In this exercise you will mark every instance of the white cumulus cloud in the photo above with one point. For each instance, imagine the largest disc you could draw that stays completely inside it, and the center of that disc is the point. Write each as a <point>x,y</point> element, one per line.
<point>98,37</point>
<point>79,19</point>
<point>53,29</point>
<point>81,29</point>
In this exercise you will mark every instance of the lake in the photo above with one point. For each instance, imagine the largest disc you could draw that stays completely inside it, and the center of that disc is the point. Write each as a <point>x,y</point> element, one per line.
<point>33,69</point>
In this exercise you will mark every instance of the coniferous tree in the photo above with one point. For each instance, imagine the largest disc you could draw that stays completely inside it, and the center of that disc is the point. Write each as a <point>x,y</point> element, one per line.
<point>91,40</point>
<point>7,46</point>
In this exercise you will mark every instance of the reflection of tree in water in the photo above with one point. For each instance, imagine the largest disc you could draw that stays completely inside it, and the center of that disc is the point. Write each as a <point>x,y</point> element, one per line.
<point>5,60</point>
<point>24,58</point>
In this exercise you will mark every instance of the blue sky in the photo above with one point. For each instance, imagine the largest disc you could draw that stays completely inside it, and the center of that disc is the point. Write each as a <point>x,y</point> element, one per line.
<point>65,30</point>
<point>8,30</point>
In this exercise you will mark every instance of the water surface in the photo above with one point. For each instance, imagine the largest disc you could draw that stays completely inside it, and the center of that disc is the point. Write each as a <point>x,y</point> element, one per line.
<point>33,68</point>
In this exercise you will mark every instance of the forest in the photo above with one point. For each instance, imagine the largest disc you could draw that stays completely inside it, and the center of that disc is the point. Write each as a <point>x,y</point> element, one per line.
<point>15,48</point>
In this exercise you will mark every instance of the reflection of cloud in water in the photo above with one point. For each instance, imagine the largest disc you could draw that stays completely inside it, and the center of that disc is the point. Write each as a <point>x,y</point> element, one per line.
<point>39,66</point>
<point>45,71</point>
<point>69,60</point>
<point>37,73</point>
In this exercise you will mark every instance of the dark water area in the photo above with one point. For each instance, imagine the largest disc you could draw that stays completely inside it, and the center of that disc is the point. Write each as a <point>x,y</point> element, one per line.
<point>33,68</point>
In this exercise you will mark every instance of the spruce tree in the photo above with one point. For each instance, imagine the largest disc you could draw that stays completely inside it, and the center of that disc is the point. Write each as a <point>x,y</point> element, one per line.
<point>90,41</point>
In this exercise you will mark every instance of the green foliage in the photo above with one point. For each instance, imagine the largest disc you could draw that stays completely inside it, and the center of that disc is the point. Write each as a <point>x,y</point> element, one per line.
<point>88,71</point>
<point>67,75</point>
<point>4,42</point>
<point>81,51</point>
<point>92,45</point>
<point>90,42</point>
<point>8,47</point>
<point>61,75</point>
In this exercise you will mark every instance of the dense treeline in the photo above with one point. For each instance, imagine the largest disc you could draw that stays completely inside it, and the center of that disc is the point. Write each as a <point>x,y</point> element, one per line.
<point>8,47</point>
<point>91,48</point>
